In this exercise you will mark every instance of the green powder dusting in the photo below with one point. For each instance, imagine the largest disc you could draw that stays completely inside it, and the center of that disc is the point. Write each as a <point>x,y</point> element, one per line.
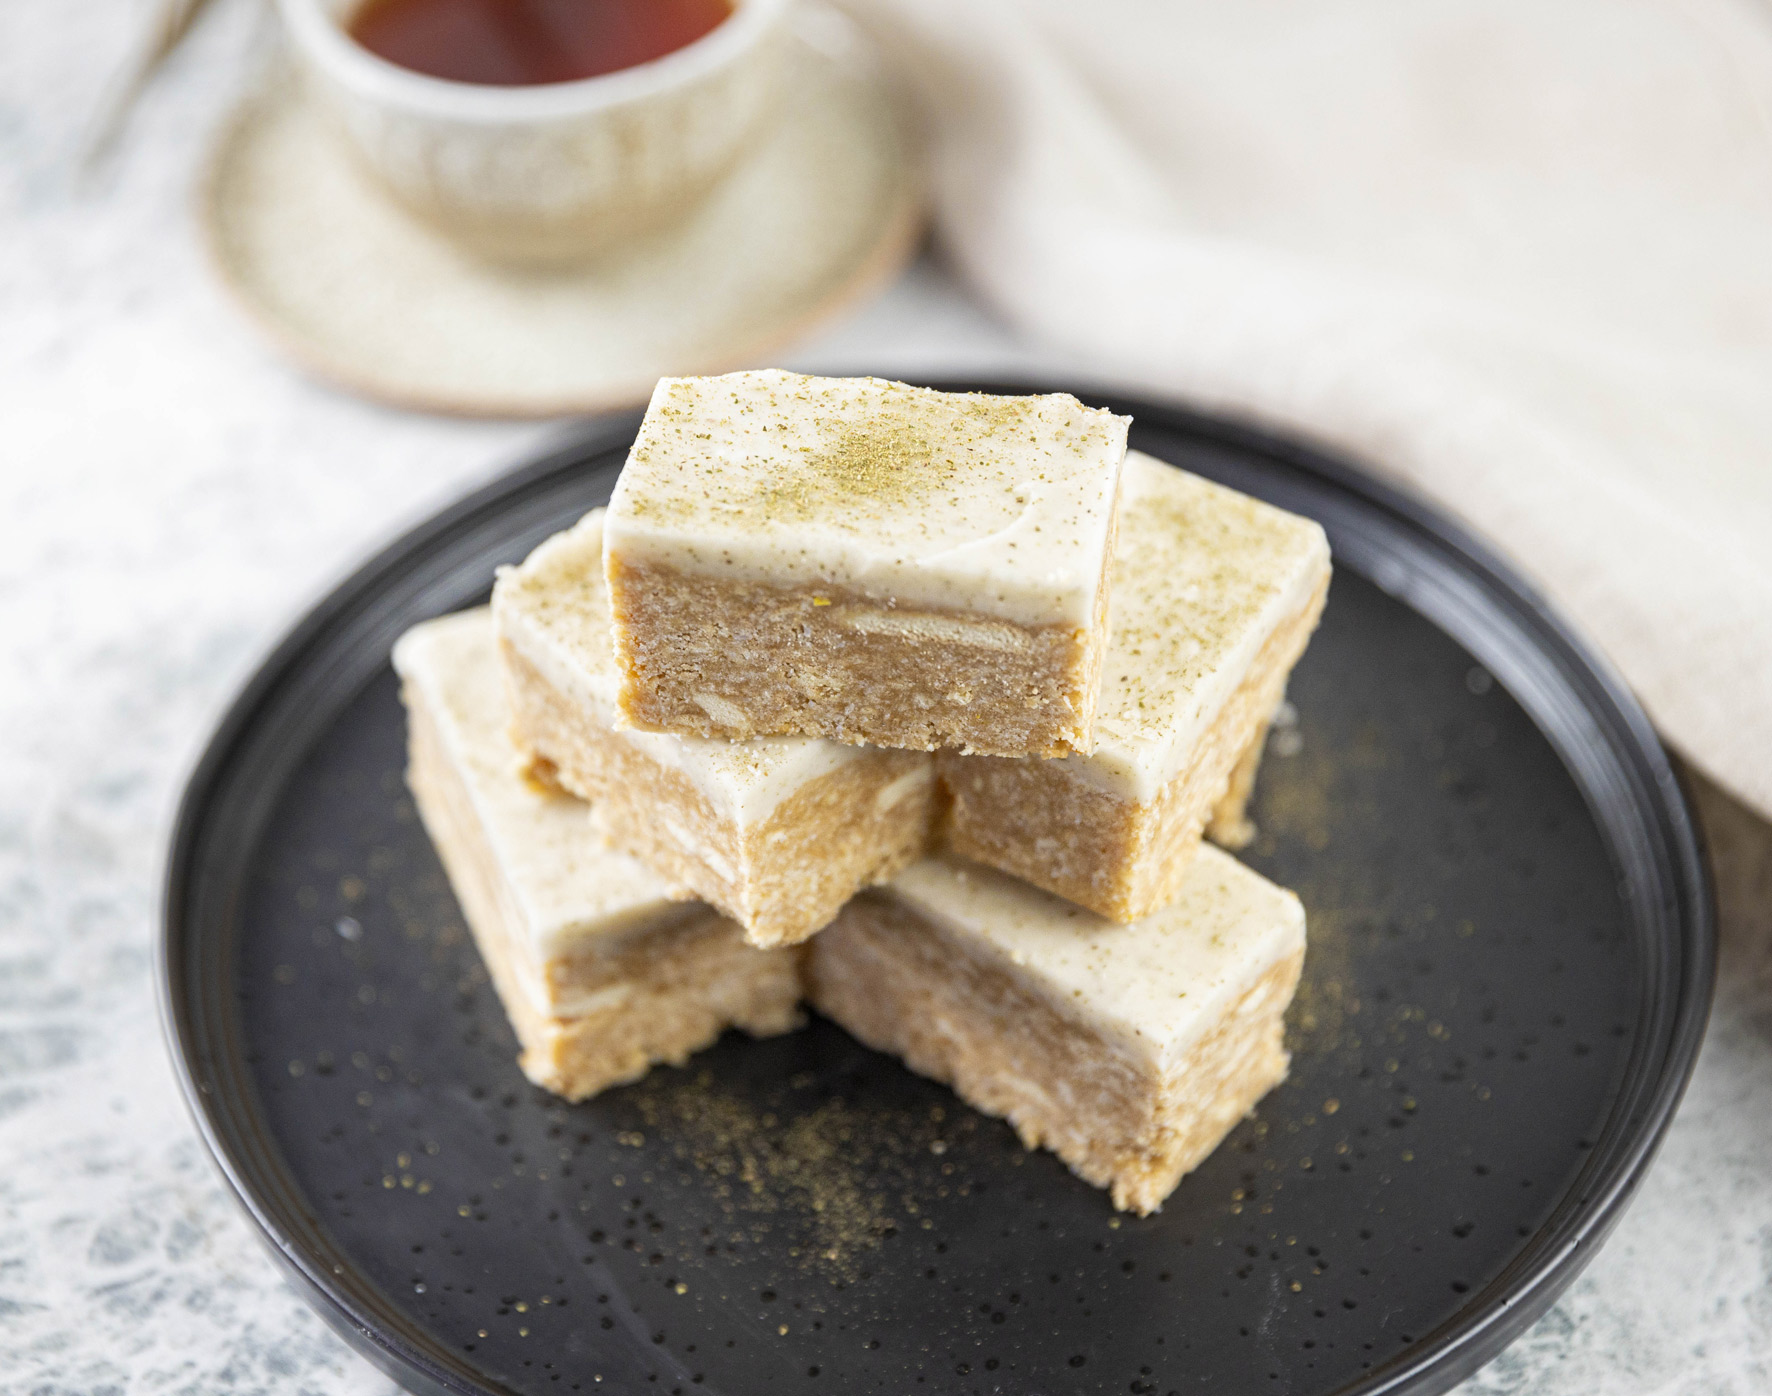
<point>826,1186</point>
<point>879,445</point>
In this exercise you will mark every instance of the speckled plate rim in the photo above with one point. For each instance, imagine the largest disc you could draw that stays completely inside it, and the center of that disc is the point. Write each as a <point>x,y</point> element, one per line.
<point>895,241</point>
<point>1441,571</point>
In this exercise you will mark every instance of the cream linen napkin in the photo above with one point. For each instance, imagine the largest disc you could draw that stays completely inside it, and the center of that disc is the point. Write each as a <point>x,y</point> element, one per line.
<point>1515,253</point>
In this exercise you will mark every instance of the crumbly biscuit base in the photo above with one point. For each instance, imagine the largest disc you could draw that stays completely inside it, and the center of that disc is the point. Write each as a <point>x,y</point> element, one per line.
<point>1230,826</point>
<point>679,997</point>
<point>654,997</point>
<point>1120,857</point>
<point>782,879</point>
<point>734,659</point>
<point>903,985</point>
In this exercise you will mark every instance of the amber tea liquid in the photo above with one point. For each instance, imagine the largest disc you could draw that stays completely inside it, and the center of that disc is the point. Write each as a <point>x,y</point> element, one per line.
<point>520,43</point>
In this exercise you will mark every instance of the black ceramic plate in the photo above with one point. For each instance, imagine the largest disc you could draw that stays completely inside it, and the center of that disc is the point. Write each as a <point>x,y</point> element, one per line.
<point>1510,967</point>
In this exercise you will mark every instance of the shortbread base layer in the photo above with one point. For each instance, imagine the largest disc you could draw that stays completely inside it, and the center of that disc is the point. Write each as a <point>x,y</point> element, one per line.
<point>783,878</point>
<point>1230,826</point>
<point>674,1002</point>
<point>734,659</point>
<point>903,985</point>
<point>603,1012</point>
<point>1121,857</point>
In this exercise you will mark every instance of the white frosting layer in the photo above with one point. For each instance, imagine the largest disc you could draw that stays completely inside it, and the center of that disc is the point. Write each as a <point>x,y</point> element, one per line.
<point>570,889</point>
<point>554,611</point>
<point>1000,506</point>
<point>1153,987</point>
<point>1203,576</point>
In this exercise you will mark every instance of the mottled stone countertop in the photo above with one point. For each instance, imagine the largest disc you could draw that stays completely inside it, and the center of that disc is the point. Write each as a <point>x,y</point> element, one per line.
<point>171,496</point>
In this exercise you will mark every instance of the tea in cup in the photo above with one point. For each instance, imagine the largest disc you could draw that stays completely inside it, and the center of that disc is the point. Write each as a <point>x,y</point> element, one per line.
<point>544,131</point>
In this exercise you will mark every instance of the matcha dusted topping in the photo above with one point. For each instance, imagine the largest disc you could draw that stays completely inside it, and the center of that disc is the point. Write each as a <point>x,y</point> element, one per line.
<point>1202,576</point>
<point>964,501</point>
<point>1154,985</point>
<point>1201,565</point>
<point>823,446</point>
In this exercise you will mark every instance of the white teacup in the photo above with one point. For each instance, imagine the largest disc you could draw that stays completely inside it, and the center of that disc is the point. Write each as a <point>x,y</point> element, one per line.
<point>558,171</point>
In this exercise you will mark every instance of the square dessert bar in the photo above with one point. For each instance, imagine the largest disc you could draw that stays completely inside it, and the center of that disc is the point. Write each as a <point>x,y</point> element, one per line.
<point>778,832</point>
<point>1215,597</point>
<point>601,971</point>
<point>1130,1051</point>
<point>866,561</point>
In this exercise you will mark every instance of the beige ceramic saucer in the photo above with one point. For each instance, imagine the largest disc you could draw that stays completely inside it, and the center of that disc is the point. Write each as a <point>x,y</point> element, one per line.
<point>823,210</point>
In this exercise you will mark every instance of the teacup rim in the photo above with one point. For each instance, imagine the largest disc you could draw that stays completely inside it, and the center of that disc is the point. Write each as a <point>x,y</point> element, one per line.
<point>311,24</point>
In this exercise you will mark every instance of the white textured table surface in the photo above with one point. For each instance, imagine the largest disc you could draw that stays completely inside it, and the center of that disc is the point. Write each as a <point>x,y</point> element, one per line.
<point>171,495</point>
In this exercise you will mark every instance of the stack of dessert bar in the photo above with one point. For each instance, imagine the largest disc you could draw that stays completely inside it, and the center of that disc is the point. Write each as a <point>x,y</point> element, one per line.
<point>911,705</point>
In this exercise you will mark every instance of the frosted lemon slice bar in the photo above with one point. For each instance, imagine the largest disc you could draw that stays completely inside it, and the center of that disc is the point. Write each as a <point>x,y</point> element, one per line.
<point>1129,1051</point>
<point>601,971</point>
<point>866,561</point>
<point>1215,597</point>
<point>778,832</point>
